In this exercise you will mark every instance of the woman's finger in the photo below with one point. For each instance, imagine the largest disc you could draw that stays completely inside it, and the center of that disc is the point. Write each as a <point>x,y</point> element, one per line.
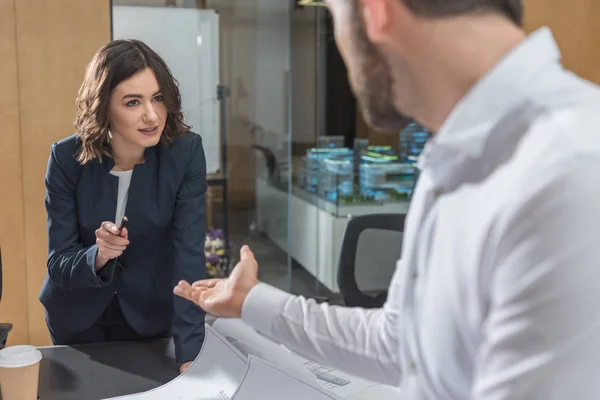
<point>106,245</point>
<point>110,227</point>
<point>110,238</point>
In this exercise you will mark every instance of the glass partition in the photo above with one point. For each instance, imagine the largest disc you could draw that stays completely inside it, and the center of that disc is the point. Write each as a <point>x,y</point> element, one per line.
<point>342,168</point>
<point>248,173</point>
<point>297,162</point>
<point>255,65</point>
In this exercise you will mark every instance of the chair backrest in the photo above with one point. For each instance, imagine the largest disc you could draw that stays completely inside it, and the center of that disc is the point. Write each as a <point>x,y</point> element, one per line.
<point>372,244</point>
<point>270,159</point>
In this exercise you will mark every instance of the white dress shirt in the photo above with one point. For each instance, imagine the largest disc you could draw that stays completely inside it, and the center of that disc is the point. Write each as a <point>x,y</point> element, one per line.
<point>497,294</point>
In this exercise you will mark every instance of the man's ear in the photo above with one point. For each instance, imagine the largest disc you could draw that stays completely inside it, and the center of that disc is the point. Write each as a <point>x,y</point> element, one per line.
<point>378,19</point>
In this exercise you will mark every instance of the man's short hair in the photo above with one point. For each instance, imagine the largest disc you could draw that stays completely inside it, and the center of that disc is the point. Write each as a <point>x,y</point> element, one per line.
<point>512,9</point>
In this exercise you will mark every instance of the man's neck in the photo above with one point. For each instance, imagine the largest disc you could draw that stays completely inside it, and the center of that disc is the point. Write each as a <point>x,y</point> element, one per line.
<point>458,55</point>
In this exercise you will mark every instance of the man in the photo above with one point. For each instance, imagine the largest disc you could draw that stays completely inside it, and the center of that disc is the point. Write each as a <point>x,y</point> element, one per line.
<point>497,295</point>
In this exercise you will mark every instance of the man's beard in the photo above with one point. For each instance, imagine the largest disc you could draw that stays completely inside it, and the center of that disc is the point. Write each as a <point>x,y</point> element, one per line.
<point>373,86</point>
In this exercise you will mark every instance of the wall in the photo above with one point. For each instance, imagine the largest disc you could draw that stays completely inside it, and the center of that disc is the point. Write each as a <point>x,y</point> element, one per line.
<point>575,26</point>
<point>13,307</point>
<point>44,48</point>
<point>272,66</point>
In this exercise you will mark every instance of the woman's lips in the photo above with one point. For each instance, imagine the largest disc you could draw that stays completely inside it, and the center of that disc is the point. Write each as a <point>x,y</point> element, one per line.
<point>149,131</point>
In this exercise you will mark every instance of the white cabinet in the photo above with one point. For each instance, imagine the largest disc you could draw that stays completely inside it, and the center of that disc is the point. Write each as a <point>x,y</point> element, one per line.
<point>314,232</point>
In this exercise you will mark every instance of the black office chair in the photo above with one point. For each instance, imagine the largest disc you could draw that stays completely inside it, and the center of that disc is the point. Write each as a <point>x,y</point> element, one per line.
<point>374,241</point>
<point>270,160</point>
<point>5,328</point>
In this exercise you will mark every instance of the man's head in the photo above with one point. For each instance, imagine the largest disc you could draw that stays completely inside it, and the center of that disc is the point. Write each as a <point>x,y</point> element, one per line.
<point>511,9</point>
<point>376,37</point>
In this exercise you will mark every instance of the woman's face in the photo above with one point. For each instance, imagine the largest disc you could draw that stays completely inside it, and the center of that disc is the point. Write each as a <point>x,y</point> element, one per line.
<point>137,113</point>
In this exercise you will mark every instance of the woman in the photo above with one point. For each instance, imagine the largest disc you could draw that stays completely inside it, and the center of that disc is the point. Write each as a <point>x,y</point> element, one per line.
<point>132,156</point>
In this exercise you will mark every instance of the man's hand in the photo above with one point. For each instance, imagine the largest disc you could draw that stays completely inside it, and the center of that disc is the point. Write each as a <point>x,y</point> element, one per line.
<point>184,366</point>
<point>224,297</point>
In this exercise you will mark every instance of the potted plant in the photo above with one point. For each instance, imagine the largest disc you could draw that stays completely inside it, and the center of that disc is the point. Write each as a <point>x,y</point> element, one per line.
<point>219,261</point>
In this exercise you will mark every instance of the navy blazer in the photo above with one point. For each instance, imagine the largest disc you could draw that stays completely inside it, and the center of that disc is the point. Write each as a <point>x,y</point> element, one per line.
<point>166,212</point>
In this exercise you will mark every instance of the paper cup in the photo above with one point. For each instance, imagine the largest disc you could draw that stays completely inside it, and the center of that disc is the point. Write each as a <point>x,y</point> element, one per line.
<point>19,372</point>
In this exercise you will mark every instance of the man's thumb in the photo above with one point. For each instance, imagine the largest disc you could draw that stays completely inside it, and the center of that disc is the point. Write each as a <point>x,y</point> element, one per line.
<point>246,270</point>
<point>246,253</point>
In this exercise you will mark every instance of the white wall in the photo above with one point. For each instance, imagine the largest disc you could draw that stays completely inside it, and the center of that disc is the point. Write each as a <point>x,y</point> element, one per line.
<point>188,40</point>
<point>272,65</point>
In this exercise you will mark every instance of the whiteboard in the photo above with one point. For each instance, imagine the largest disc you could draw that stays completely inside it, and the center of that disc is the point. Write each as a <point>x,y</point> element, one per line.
<point>188,40</point>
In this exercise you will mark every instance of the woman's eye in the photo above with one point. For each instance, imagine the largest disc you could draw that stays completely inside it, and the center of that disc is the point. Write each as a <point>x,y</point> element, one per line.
<point>158,98</point>
<point>132,103</point>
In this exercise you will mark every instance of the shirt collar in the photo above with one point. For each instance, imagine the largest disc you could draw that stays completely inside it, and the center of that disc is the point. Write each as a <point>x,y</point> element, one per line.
<point>468,126</point>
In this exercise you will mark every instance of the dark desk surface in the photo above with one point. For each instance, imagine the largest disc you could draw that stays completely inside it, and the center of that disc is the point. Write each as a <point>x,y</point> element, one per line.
<point>99,371</point>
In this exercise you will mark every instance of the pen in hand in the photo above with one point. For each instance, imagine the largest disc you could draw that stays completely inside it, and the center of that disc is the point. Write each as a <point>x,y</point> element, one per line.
<point>123,225</point>
<point>111,240</point>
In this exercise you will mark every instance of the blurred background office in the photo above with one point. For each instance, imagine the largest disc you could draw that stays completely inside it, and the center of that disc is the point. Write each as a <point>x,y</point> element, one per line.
<point>290,159</point>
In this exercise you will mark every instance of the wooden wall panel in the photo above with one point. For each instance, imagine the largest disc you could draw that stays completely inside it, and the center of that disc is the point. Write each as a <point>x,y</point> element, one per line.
<point>576,28</point>
<point>55,41</point>
<point>13,307</point>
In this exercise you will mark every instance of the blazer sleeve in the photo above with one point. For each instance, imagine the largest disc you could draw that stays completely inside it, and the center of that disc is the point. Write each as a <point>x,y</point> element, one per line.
<point>71,266</point>
<point>189,259</point>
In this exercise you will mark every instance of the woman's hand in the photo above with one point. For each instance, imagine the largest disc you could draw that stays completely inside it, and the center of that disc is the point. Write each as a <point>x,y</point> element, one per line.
<point>224,297</point>
<point>111,243</point>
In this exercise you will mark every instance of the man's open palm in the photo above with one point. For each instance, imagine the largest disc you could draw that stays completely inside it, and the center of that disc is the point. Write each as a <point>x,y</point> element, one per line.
<point>224,297</point>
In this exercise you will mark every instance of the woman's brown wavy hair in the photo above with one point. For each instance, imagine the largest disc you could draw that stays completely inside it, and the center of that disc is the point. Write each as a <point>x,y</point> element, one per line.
<point>114,63</point>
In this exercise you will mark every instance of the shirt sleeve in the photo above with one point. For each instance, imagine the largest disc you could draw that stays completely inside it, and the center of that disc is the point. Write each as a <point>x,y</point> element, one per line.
<point>542,333</point>
<point>189,260</point>
<point>71,266</point>
<point>365,343</point>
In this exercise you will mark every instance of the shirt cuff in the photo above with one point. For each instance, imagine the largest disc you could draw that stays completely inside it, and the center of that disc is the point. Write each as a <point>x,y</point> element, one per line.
<point>104,276</point>
<point>263,305</point>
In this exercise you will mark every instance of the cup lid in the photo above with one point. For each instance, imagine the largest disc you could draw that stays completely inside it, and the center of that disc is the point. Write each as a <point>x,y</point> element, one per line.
<point>19,356</point>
